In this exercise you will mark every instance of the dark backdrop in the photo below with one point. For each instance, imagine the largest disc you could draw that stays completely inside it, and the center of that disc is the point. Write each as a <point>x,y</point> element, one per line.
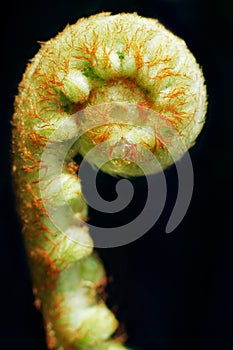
<point>172,291</point>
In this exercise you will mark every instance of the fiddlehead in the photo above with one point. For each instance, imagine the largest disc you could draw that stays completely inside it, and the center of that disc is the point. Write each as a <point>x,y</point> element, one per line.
<point>128,88</point>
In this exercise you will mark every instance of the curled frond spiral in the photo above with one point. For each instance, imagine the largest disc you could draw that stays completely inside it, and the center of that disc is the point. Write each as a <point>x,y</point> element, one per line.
<point>99,61</point>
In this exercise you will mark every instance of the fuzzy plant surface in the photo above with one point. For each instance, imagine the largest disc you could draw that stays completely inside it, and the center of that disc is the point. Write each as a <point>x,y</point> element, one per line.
<point>104,60</point>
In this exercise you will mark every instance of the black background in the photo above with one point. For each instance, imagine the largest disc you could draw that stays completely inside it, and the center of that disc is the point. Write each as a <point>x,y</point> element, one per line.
<point>172,291</point>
